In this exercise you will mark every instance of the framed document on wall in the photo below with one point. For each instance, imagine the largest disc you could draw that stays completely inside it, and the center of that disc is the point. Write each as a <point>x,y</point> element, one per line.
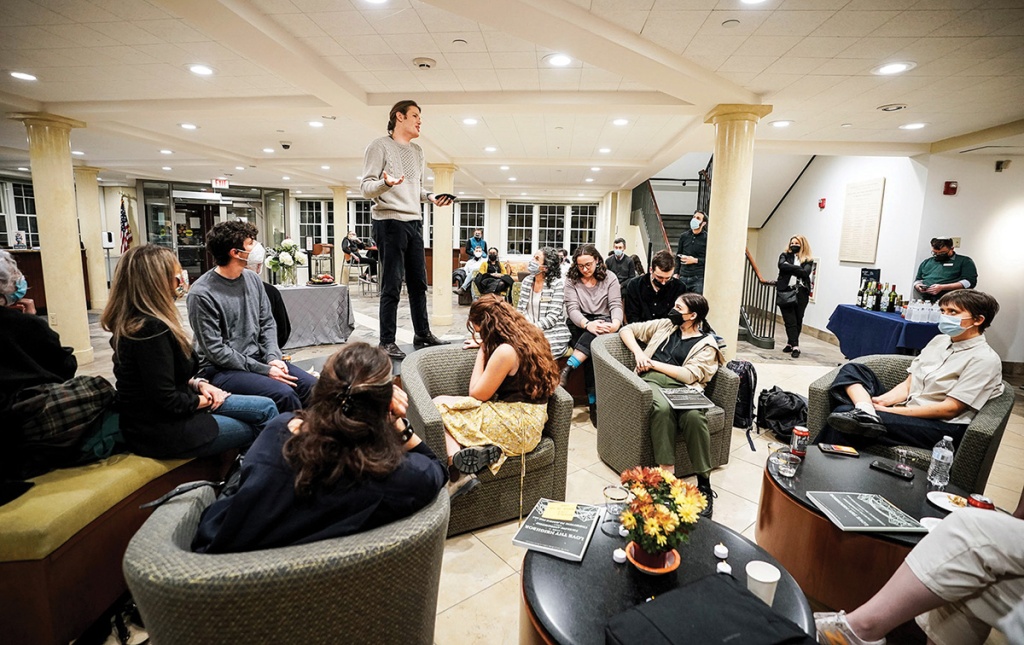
<point>862,214</point>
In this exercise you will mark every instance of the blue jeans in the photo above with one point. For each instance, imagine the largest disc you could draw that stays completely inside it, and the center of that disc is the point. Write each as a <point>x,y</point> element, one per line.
<point>286,397</point>
<point>239,419</point>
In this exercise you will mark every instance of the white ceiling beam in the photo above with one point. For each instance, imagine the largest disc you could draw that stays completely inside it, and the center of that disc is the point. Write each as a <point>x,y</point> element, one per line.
<point>843,148</point>
<point>257,105</point>
<point>516,101</point>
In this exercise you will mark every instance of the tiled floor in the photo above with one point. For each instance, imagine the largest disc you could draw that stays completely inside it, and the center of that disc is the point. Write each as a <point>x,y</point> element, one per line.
<point>480,586</point>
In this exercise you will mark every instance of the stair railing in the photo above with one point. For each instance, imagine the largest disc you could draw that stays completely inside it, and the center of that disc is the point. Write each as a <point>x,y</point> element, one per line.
<point>757,308</point>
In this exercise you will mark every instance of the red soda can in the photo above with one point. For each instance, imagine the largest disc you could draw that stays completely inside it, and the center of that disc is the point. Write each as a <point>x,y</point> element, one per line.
<point>801,437</point>
<point>980,501</point>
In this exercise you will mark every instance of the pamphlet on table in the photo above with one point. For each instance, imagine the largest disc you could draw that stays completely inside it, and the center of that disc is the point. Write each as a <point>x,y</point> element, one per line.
<point>864,512</point>
<point>561,529</point>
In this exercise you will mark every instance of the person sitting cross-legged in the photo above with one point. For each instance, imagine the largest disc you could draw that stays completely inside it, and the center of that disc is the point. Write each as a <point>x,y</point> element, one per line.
<point>955,375</point>
<point>235,332</point>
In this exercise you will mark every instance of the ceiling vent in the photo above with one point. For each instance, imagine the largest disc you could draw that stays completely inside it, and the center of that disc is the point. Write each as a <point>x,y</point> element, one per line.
<point>424,63</point>
<point>892,107</point>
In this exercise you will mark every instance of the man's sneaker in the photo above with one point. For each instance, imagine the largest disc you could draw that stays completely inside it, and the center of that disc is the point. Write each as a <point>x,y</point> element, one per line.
<point>833,629</point>
<point>393,350</point>
<point>463,486</point>
<point>473,459</point>
<point>857,421</point>
<point>428,341</point>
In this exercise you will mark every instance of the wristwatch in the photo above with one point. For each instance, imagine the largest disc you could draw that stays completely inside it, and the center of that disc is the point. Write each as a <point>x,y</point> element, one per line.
<point>406,434</point>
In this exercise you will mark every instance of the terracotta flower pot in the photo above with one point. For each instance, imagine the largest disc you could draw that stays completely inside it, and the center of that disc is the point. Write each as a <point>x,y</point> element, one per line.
<point>650,560</point>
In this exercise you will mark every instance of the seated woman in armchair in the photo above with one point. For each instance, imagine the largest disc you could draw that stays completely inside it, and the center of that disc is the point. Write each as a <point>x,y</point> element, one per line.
<point>507,405</point>
<point>679,351</point>
<point>955,375</point>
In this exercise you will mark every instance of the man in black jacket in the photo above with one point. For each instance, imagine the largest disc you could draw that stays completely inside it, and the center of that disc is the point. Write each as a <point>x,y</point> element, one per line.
<point>619,263</point>
<point>691,251</point>
<point>654,294</point>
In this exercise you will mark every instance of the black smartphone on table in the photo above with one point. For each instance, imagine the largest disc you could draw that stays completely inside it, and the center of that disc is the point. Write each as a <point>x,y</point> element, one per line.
<point>891,469</point>
<point>834,449</point>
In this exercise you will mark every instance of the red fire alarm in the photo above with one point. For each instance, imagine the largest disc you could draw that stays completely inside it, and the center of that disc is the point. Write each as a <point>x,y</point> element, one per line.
<point>821,203</point>
<point>949,188</point>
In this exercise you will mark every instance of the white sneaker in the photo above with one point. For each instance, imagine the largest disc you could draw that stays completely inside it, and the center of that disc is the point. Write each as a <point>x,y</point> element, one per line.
<point>833,629</point>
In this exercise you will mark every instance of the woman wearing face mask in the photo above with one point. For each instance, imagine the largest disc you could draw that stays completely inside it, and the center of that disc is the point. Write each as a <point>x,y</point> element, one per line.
<point>679,352</point>
<point>541,299</point>
<point>284,324</point>
<point>475,262</point>
<point>953,377</point>
<point>492,276</point>
<point>793,288</point>
<point>166,412</point>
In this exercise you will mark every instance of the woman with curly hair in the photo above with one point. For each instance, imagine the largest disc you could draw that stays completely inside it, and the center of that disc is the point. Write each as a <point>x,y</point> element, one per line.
<point>593,303</point>
<point>347,463</point>
<point>541,299</point>
<point>507,407</point>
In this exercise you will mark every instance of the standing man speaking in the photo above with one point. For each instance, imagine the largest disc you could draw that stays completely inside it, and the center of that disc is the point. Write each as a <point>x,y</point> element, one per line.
<point>393,170</point>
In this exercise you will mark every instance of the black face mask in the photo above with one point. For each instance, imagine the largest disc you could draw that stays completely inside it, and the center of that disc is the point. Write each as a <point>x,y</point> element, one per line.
<point>940,257</point>
<point>675,317</point>
<point>793,248</point>
<point>492,256</point>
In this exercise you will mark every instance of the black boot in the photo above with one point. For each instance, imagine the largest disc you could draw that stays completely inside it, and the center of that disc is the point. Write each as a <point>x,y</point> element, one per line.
<point>704,486</point>
<point>563,378</point>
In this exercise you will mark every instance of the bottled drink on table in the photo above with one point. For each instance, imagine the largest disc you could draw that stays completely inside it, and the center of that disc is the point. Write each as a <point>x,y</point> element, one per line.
<point>942,462</point>
<point>890,306</point>
<point>876,302</point>
<point>860,293</point>
<point>933,313</point>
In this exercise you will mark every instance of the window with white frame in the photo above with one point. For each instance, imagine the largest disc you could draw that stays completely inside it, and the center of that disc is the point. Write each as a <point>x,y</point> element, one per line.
<point>533,226</point>
<point>471,217</point>
<point>5,212</point>
<point>316,222</point>
<point>25,213</point>
<point>359,217</point>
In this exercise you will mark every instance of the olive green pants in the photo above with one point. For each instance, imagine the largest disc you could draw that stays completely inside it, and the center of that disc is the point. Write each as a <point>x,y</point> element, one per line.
<point>691,424</point>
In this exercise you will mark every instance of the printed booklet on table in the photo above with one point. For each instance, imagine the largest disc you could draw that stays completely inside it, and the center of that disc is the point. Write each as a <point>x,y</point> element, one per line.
<point>561,529</point>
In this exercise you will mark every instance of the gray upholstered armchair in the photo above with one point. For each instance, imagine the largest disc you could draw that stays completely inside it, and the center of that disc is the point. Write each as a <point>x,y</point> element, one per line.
<point>446,370</point>
<point>973,460</point>
<point>374,587</point>
<point>624,410</point>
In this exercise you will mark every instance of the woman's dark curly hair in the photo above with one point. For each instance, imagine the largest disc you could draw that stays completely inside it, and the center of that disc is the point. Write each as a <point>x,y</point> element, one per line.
<point>347,429</point>
<point>600,272</point>
<point>552,265</point>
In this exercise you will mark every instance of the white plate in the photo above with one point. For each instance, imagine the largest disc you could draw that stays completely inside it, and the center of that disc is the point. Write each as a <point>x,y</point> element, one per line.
<point>930,522</point>
<point>941,499</point>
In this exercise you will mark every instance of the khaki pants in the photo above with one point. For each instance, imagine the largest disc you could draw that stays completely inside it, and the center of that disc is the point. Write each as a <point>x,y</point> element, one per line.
<point>691,424</point>
<point>975,560</point>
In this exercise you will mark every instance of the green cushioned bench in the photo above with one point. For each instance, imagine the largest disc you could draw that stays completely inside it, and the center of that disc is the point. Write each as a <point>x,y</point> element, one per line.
<point>61,543</point>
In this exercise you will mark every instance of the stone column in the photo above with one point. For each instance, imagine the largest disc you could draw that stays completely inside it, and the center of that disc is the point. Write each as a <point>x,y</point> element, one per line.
<point>730,207</point>
<point>87,197</point>
<point>441,291</point>
<point>49,150</point>
<point>341,225</point>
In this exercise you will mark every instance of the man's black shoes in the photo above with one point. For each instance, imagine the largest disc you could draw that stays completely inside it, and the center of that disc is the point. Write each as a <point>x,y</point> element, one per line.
<point>857,421</point>
<point>430,340</point>
<point>393,351</point>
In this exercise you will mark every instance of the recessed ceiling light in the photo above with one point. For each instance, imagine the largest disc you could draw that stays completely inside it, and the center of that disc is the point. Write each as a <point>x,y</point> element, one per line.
<point>912,126</point>
<point>201,70</point>
<point>752,1</point>
<point>430,179</point>
<point>595,169</point>
<point>511,178</point>
<point>620,122</point>
<point>781,124</point>
<point>892,107</point>
<point>348,192</point>
<point>268,150</point>
<point>166,168</point>
<point>286,178</point>
<point>605,151</point>
<point>846,125</point>
<point>462,192</point>
<point>325,167</point>
<point>589,179</point>
<point>23,169</point>
<point>732,23</point>
<point>77,153</point>
<point>504,167</point>
<point>579,194</point>
<point>893,68</point>
<point>376,1</point>
<point>165,151</point>
<point>469,121</point>
<point>359,177</point>
<point>99,179</point>
<point>557,60</point>
<point>298,192</point>
<point>23,76</point>
<point>189,126</point>
<point>490,149</point>
<point>239,167</point>
<point>316,124</point>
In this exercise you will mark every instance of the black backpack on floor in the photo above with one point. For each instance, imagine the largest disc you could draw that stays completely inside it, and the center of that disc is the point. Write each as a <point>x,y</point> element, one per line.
<point>780,411</point>
<point>744,416</point>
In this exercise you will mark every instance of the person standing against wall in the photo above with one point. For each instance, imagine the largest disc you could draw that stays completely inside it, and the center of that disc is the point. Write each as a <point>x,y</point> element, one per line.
<point>793,289</point>
<point>691,252</point>
<point>393,171</point>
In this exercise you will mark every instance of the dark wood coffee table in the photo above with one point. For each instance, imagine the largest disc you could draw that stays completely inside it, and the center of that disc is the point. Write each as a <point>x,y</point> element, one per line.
<point>571,602</point>
<point>839,569</point>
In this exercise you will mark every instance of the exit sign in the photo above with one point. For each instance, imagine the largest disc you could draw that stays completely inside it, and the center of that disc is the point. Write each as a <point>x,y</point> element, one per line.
<point>220,183</point>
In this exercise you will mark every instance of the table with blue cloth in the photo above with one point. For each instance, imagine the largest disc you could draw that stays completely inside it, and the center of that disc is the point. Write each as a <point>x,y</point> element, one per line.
<point>862,332</point>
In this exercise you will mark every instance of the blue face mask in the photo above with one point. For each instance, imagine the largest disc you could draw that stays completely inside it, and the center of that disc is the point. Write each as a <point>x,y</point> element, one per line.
<point>20,289</point>
<point>695,224</point>
<point>950,325</point>
<point>618,253</point>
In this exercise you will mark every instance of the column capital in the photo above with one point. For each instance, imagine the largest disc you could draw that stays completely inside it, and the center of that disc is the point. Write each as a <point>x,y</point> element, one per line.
<point>442,166</point>
<point>46,119</point>
<point>737,112</point>
<point>87,169</point>
<point>339,189</point>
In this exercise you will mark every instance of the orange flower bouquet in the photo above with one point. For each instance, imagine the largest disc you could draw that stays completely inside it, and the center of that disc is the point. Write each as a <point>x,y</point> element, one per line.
<point>662,513</point>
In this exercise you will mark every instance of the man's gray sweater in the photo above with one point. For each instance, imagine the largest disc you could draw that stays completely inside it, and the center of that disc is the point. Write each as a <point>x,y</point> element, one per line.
<point>401,202</point>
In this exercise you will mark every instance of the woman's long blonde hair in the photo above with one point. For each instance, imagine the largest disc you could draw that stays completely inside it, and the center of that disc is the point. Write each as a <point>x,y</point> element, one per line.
<point>141,287</point>
<point>805,254</point>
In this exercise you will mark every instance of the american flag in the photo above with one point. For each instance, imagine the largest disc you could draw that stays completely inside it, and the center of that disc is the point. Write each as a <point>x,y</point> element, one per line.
<point>126,231</point>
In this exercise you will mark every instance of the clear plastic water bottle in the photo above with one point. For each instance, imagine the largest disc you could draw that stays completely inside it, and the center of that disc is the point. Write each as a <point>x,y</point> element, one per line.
<point>933,313</point>
<point>942,462</point>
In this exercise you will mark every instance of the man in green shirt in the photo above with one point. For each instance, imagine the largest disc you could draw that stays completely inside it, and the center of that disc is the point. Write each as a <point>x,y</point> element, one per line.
<point>944,271</point>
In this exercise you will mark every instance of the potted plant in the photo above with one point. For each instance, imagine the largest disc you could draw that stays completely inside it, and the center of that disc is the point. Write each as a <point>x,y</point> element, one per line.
<point>660,517</point>
<point>284,258</point>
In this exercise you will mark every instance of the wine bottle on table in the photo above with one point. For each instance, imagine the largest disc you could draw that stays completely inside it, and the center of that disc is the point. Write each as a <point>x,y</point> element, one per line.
<point>890,307</point>
<point>869,293</point>
<point>860,293</point>
<point>876,301</point>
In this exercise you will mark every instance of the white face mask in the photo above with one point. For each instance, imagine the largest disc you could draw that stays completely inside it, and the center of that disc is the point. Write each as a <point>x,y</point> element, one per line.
<point>257,255</point>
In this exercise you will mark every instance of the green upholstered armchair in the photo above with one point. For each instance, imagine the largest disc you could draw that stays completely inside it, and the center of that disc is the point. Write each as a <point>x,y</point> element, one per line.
<point>624,410</point>
<point>374,587</point>
<point>436,371</point>
<point>973,460</point>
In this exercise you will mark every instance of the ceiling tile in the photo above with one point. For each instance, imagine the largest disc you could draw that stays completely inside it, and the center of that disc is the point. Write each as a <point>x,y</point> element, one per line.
<point>793,23</point>
<point>473,60</point>
<point>594,79</point>
<point>79,10</point>
<point>498,41</point>
<point>794,65</point>
<point>514,60</point>
<point>1003,66</point>
<point>756,64</point>
<point>924,50</point>
<point>881,5</point>
<point>630,20</point>
<point>24,12</point>
<point>821,46</point>
<point>417,45</point>
<point>989,47</point>
<point>175,31</point>
<point>395,22</point>
<point>560,79</point>
<point>769,84</point>
<point>313,6</point>
<point>673,30</point>
<point>440,21</point>
<point>767,45</point>
<point>596,6</point>
<point>843,66</point>
<point>812,5</point>
<point>980,23</point>
<point>478,80</point>
<point>878,49</point>
<point>275,6</point>
<point>474,41</point>
<point>300,25</point>
<point>342,23</point>
<point>132,9</point>
<point>324,46</point>
<point>382,62</point>
<point>916,23</point>
<point>854,23</point>
<point>366,45</point>
<point>345,63</point>
<point>400,81</point>
<point>129,33</point>
<point>749,22</point>
<point>944,67</point>
<point>684,5</point>
<point>519,79</point>
<point>81,35</point>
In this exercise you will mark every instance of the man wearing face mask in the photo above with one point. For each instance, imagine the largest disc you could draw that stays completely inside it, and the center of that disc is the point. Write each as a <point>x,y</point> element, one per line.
<point>652,296</point>
<point>476,241</point>
<point>284,324</point>
<point>944,271</point>
<point>492,276</point>
<point>691,253</point>
<point>475,262</point>
<point>619,263</point>
<point>955,375</point>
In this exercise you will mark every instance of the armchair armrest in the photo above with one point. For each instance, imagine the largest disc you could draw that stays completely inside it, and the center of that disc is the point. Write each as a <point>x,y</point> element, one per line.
<point>818,407</point>
<point>432,372</point>
<point>723,390</point>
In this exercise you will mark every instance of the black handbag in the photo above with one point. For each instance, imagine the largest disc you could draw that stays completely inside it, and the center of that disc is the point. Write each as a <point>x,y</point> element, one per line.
<point>785,297</point>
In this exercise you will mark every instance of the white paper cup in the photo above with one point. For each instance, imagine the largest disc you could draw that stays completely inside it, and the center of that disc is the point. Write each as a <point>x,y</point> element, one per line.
<point>762,578</point>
